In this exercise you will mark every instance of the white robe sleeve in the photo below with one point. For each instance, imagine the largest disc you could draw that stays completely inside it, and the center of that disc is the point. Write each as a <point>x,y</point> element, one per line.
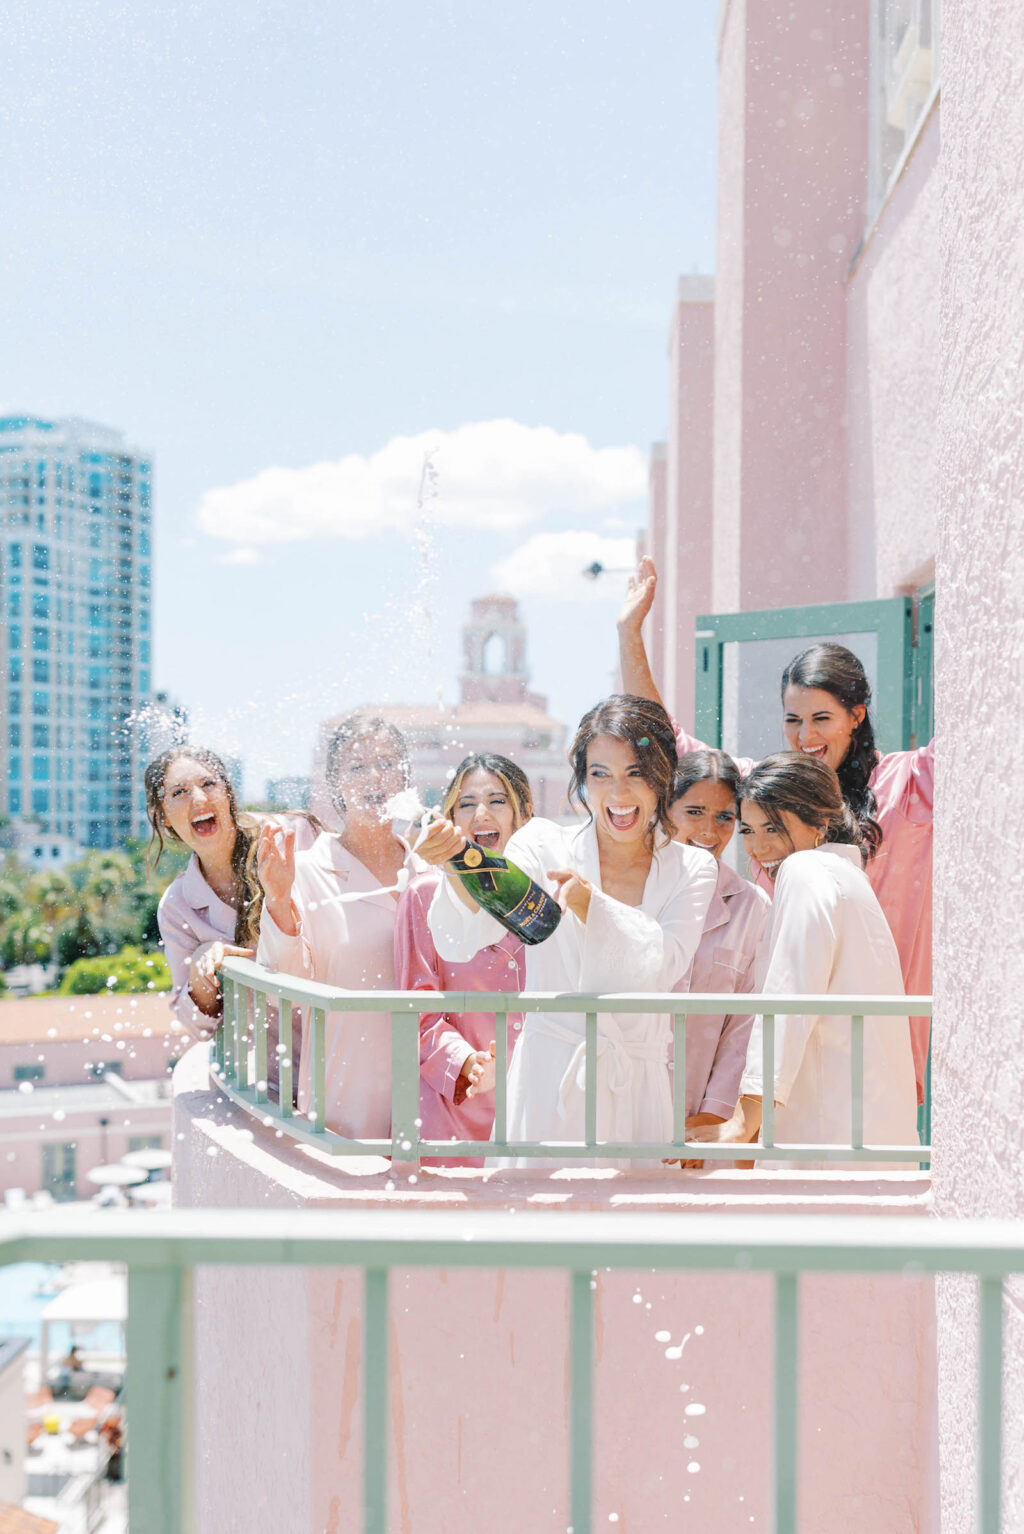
<point>625,948</point>
<point>459,933</point>
<point>803,937</point>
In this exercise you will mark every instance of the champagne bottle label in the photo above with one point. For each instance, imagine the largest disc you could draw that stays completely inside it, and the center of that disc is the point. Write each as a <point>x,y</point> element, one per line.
<point>510,895</point>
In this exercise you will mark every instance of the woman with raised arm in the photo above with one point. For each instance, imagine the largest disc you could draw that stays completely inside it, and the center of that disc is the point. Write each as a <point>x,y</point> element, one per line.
<point>212,909</point>
<point>489,798</point>
<point>704,811</point>
<point>825,702</point>
<point>826,935</point>
<point>329,915</point>
<point>634,903</point>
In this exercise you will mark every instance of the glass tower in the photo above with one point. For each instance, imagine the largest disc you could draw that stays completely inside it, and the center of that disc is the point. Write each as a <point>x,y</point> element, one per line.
<point>75,561</point>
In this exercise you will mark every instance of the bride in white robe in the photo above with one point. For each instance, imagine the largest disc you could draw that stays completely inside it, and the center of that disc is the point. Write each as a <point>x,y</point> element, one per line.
<point>634,906</point>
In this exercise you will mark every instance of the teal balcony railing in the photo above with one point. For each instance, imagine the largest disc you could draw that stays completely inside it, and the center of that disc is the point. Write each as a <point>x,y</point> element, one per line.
<point>162,1250</point>
<point>241,1049</point>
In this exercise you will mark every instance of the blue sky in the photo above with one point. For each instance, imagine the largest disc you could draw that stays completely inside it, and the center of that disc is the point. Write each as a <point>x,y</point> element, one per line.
<point>268,237</point>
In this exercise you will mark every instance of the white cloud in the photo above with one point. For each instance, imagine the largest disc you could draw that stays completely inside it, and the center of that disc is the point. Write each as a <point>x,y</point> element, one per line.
<point>552,565</point>
<point>488,474</point>
<point>241,556</point>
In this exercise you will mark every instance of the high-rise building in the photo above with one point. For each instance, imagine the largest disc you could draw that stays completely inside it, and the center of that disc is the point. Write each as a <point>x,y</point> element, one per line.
<point>75,642</point>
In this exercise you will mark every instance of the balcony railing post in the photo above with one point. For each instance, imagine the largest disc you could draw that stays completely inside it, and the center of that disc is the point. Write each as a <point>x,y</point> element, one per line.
<point>581,1400</point>
<point>590,1080</point>
<point>678,1078</point>
<point>785,1402</point>
<point>376,1371</point>
<point>260,1032</point>
<point>405,1092</point>
<point>500,1130</point>
<point>990,1416</point>
<point>286,1085</point>
<point>768,1079</point>
<point>227,1030</point>
<point>857,1083</point>
<point>318,1070</point>
<point>158,1405</point>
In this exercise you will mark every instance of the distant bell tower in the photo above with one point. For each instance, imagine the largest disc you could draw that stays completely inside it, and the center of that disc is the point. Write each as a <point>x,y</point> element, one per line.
<point>494,654</point>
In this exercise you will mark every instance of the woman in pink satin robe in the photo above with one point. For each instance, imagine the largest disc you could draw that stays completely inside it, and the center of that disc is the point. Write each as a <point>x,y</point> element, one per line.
<point>825,698</point>
<point>704,812</point>
<point>489,798</point>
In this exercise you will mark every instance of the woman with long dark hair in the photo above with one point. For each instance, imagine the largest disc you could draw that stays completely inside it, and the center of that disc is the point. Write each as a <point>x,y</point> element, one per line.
<point>826,934</point>
<point>487,800</point>
<point>634,903</point>
<point>826,699</point>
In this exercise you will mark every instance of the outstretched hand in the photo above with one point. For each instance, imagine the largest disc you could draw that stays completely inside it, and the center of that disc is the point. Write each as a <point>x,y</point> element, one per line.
<point>640,596</point>
<point>572,891</point>
<point>275,864</point>
<point>442,842</point>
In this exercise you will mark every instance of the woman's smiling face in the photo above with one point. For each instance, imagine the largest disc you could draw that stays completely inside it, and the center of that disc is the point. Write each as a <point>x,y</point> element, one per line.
<point>622,803</point>
<point>816,724</point>
<point>197,808</point>
<point>705,816</point>
<point>483,810</point>
<point>767,842</point>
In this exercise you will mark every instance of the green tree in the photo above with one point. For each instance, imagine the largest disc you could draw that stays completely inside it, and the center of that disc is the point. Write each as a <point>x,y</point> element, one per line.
<point>129,970</point>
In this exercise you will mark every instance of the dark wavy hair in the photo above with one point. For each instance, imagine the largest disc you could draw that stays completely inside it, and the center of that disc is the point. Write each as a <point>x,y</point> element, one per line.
<point>706,766</point>
<point>835,669</point>
<point>809,789</point>
<point>646,727</point>
<point>514,779</point>
<point>349,732</point>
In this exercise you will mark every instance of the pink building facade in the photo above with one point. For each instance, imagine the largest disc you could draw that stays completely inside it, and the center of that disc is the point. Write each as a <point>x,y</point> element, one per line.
<point>83,1079</point>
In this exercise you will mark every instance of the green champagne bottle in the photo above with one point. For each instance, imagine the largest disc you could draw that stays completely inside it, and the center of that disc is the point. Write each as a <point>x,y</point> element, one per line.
<point>511,896</point>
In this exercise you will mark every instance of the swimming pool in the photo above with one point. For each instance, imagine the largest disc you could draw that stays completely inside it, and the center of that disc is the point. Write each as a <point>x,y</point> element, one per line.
<point>22,1305</point>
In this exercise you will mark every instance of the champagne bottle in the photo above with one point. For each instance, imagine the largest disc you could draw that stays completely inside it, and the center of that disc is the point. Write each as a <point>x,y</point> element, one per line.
<point>511,896</point>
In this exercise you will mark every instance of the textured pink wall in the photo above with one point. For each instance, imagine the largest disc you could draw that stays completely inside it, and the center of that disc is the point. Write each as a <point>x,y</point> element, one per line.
<point>979,956</point>
<point>792,174</point>
<point>686,589</point>
<point>479,1367</point>
<point>893,383</point>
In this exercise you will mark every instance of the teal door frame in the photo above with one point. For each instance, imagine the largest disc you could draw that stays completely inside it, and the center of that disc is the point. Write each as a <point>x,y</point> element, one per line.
<point>891,619</point>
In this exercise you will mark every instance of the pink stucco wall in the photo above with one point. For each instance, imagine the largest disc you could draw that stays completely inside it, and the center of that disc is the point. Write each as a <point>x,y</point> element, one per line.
<point>893,358</point>
<point>67,1035</point>
<point>479,1365</point>
<point>686,563</point>
<point>979,956</point>
<point>793,109</point>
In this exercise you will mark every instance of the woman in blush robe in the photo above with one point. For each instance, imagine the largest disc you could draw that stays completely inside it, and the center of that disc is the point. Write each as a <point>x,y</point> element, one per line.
<point>489,798</point>
<point>825,698</point>
<point>329,915</point>
<point>826,934</point>
<point>634,903</point>
<point>704,809</point>
<point>212,909</point>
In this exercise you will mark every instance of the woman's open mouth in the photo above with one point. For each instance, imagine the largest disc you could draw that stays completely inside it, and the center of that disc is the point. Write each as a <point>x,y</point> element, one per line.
<point>816,751</point>
<point>204,825</point>
<point>771,869</point>
<point>488,840</point>
<point>623,820</point>
<point>692,841</point>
